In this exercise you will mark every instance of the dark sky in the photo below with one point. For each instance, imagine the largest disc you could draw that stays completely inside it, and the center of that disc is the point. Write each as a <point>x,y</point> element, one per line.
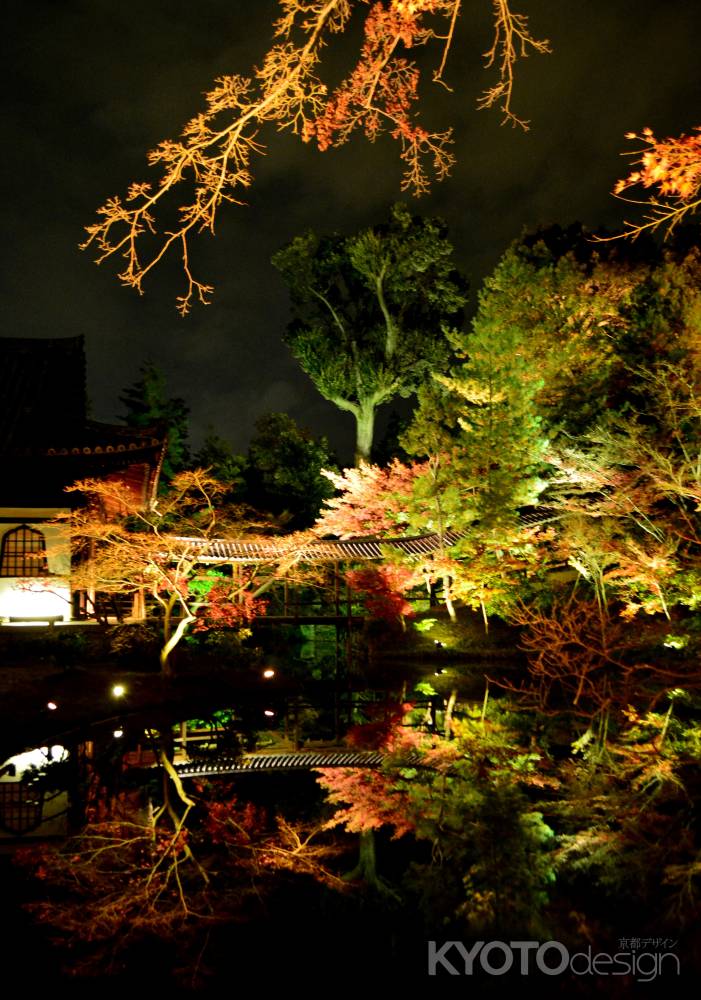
<point>90,85</point>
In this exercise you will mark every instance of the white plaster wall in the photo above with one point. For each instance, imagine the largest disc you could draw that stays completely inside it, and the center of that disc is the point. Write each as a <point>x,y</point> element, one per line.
<point>40,595</point>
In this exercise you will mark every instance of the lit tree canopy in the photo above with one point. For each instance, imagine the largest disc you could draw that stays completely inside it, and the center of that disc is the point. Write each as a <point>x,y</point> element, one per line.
<point>483,445</point>
<point>631,491</point>
<point>579,316</point>
<point>556,350</point>
<point>370,312</point>
<point>471,798</point>
<point>380,94</point>
<point>369,500</point>
<point>124,548</point>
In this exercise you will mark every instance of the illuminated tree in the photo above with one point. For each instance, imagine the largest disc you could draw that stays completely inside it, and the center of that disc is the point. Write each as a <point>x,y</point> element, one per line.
<point>622,629</point>
<point>380,94</point>
<point>501,441</point>
<point>481,441</point>
<point>122,548</point>
<point>624,814</point>
<point>369,500</point>
<point>671,168</point>
<point>559,330</point>
<point>370,312</point>
<point>388,502</point>
<point>159,880</point>
<point>637,480</point>
<point>570,318</point>
<point>384,588</point>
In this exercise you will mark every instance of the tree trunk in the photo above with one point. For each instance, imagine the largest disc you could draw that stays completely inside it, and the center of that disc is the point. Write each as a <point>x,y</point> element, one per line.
<point>366,869</point>
<point>448,598</point>
<point>448,718</point>
<point>365,430</point>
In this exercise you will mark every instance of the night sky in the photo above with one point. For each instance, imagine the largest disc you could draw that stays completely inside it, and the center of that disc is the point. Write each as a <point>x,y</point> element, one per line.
<point>90,85</point>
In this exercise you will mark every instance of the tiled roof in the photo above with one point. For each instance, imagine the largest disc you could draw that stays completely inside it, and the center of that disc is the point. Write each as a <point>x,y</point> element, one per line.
<point>234,550</point>
<point>299,760</point>
<point>108,439</point>
<point>222,550</point>
<point>43,408</point>
<point>46,440</point>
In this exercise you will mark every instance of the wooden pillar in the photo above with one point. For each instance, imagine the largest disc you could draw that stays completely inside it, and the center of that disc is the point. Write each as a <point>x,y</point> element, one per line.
<point>138,605</point>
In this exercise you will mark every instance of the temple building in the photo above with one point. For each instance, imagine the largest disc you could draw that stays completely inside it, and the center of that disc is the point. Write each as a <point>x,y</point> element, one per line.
<point>47,443</point>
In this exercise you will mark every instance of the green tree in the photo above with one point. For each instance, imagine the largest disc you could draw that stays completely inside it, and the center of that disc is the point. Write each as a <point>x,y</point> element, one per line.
<point>479,431</point>
<point>562,330</point>
<point>283,475</point>
<point>218,456</point>
<point>559,308</point>
<point>584,316</point>
<point>371,311</point>
<point>147,404</point>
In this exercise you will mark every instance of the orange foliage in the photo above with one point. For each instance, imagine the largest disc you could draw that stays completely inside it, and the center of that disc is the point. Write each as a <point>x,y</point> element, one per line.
<point>371,501</point>
<point>382,90</point>
<point>371,799</point>
<point>214,151</point>
<point>672,167</point>
<point>225,609</point>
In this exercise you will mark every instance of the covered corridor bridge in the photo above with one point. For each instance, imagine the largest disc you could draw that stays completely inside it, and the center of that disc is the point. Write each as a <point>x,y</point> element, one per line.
<point>298,760</point>
<point>219,551</point>
<point>305,602</point>
<point>238,551</point>
<point>290,602</point>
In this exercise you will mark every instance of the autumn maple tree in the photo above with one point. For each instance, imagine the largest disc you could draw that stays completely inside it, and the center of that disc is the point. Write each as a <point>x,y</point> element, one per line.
<point>669,171</point>
<point>122,547</point>
<point>136,878</point>
<point>213,155</point>
<point>627,498</point>
<point>369,500</point>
